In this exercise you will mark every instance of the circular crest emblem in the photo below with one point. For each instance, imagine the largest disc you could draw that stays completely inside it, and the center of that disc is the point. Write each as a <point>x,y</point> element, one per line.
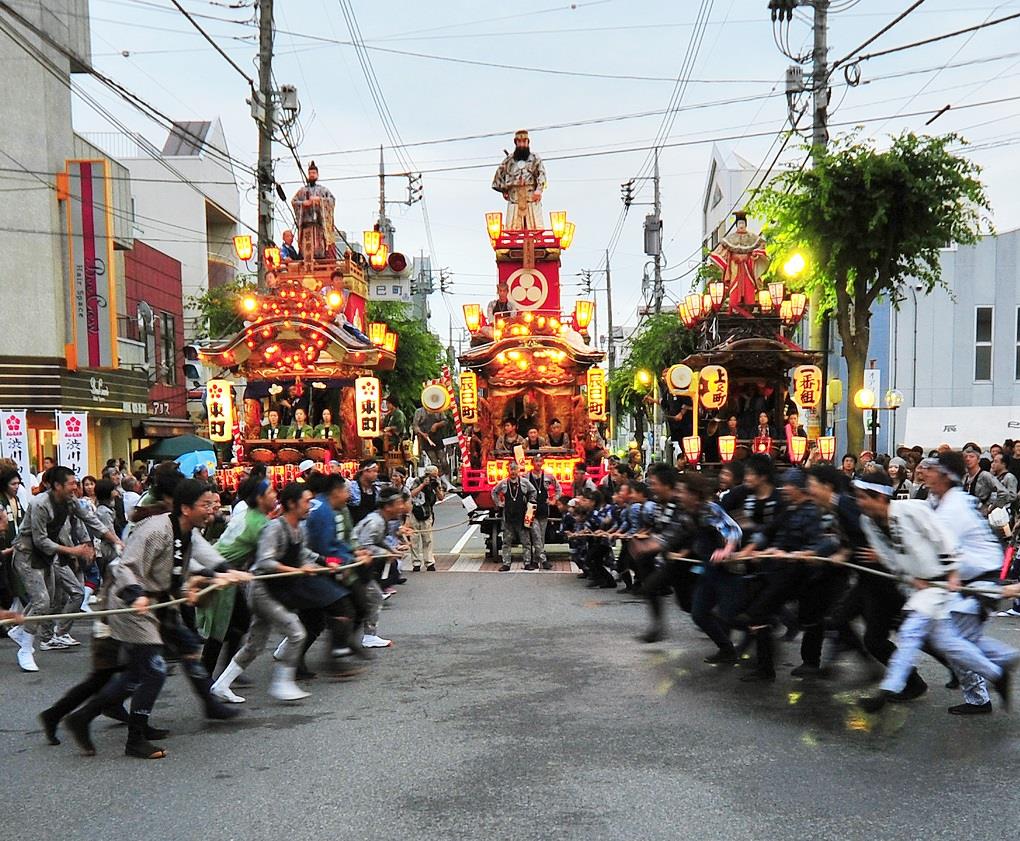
<point>528,289</point>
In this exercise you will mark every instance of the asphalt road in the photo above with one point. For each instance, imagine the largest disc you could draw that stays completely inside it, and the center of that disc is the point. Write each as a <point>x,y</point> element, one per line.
<point>519,706</point>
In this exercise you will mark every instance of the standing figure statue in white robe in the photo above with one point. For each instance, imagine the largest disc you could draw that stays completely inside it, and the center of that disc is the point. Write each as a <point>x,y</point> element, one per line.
<point>521,181</point>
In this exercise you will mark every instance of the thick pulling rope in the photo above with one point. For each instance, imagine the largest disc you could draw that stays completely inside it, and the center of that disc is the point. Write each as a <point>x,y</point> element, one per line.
<point>96,614</point>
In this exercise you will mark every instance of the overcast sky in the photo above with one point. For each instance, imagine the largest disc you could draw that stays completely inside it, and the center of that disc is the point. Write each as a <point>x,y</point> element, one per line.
<point>616,61</point>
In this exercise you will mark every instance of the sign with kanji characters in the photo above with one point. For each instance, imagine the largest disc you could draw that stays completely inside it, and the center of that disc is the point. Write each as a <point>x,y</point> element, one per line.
<point>468,397</point>
<point>219,405</point>
<point>14,440</point>
<point>73,442</point>
<point>807,386</point>
<point>597,394</point>
<point>713,387</point>
<point>368,415</point>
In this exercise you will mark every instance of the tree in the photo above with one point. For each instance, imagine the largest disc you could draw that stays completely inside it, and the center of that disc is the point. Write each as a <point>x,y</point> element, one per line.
<point>420,354</point>
<point>218,307</point>
<point>659,342</point>
<point>869,221</point>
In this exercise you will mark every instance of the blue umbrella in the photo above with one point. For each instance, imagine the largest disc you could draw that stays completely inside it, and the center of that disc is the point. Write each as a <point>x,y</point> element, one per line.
<point>189,462</point>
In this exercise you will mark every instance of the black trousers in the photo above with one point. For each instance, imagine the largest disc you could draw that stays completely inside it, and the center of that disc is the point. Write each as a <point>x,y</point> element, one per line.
<point>878,602</point>
<point>717,593</point>
<point>664,575</point>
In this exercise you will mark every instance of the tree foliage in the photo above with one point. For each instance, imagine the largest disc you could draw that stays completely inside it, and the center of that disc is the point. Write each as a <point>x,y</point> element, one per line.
<point>420,354</point>
<point>660,341</point>
<point>868,221</point>
<point>218,307</point>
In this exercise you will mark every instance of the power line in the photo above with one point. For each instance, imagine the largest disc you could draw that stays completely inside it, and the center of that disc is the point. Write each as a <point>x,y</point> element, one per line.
<point>877,35</point>
<point>215,46</point>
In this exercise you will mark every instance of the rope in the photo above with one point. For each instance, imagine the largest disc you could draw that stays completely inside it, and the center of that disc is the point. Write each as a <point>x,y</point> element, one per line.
<point>95,614</point>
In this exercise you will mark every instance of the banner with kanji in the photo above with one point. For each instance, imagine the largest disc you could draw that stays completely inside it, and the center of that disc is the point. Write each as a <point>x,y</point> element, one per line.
<point>73,442</point>
<point>14,441</point>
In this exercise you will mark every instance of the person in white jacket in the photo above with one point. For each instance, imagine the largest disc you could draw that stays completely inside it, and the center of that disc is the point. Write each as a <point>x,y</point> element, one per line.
<point>908,539</point>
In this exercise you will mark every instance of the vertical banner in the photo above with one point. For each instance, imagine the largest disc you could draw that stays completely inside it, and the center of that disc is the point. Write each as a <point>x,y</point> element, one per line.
<point>366,405</point>
<point>14,441</point>
<point>596,394</point>
<point>219,404</point>
<point>468,397</point>
<point>93,287</point>
<point>73,442</point>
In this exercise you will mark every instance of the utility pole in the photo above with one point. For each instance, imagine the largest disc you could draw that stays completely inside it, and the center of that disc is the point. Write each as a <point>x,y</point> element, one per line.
<point>265,107</point>
<point>657,212</point>
<point>609,347</point>
<point>385,227</point>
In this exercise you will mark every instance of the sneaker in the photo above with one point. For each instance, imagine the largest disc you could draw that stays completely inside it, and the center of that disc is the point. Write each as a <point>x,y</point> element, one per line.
<point>430,568</point>
<point>971,709</point>
<point>26,661</point>
<point>15,634</point>
<point>1011,612</point>
<point>281,650</point>
<point>416,568</point>
<point>722,658</point>
<point>505,568</point>
<point>386,596</point>
<point>67,640</point>
<point>375,641</point>
<point>53,644</point>
<point>546,564</point>
<point>226,694</point>
<point>345,651</point>
<point>530,566</point>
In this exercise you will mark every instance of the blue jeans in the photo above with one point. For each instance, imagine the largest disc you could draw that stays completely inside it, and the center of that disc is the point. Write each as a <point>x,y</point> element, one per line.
<point>943,634</point>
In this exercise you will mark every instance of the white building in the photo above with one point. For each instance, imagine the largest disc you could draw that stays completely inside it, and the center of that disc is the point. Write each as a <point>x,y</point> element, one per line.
<point>186,200</point>
<point>730,180</point>
<point>955,354</point>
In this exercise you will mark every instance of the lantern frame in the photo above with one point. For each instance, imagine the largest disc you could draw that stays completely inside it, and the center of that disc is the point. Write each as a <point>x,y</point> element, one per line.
<point>692,448</point>
<point>727,447</point>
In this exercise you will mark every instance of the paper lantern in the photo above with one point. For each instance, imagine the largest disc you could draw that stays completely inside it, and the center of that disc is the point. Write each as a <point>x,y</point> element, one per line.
<point>776,292</point>
<point>371,240</point>
<point>368,415</point>
<point>494,225</point>
<point>807,386</point>
<point>762,444</point>
<point>717,291</point>
<point>798,446</point>
<point>727,446</point>
<point>473,317</point>
<point>713,387</point>
<point>692,448</point>
<point>243,247</point>
<point>377,332</point>
<point>583,312</point>
<point>219,405</point>
<point>765,300</point>
<point>558,222</point>
<point>826,447</point>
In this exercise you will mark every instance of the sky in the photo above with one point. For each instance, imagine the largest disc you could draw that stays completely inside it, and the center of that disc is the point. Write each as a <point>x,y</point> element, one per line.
<point>590,80</point>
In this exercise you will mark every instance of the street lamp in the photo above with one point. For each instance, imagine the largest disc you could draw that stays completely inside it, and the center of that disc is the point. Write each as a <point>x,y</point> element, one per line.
<point>794,265</point>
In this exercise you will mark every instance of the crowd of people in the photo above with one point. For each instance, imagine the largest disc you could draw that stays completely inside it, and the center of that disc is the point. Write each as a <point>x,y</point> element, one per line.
<point>883,557</point>
<point>204,584</point>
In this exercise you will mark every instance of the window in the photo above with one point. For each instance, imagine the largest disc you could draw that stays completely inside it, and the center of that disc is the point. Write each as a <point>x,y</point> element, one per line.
<point>716,196</point>
<point>169,337</point>
<point>1016,368</point>
<point>380,290</point>
<point>396,289</point>
<point>983,344</point>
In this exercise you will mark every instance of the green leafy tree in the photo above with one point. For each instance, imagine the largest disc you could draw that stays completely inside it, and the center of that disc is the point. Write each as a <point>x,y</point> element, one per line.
<point>869,221</point>
<point>218,307</point>
<point>660,341</point>
<point>420,354</point>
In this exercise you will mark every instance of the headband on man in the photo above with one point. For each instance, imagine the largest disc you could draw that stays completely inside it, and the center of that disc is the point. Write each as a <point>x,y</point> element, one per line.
<point>873,487</point>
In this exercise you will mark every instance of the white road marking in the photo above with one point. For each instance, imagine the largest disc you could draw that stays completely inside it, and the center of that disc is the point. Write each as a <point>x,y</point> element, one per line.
<point>459,545</point>
<point>467,564</point>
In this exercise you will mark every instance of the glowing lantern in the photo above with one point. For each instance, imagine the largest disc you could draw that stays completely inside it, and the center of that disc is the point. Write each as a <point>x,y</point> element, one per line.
<point>249,303</point>
<point>864,399</point>
<point>377,332</point>
<point>717,291</point>
<point>777,291</point>
<point>798,446</point>
<point>583,312</point>
<point>713,387</point>
<point>272,257</point>
<point>371,241</point>
<point>468,397</point>
<point>494,225</point>
<point>568,236</point>
<point>473,316</point>
<point>334,299</point>
<point>219,404</point>
<point>807,386</point>
<point>390,342</point>
<point>706,303</point>
<point>596,394</point>
<point>762,444</point>
<point>692,448</point>
<point>798,303</point>
<point>378,260</point>
<point>827,447</point>
<point>764,300</point>
<point>786,312</point>
<point>558,223</point>
<point>727,446</point>
<point>243,247</point>
<point>366,406</point>
<point>693,302</point>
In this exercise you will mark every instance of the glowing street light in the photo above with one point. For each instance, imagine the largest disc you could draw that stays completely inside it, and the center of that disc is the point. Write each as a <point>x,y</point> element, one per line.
<point>794,265</point>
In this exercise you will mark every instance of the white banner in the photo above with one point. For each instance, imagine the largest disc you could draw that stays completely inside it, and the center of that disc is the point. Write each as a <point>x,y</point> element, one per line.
<point>73,442</point>
<point>14,441</point>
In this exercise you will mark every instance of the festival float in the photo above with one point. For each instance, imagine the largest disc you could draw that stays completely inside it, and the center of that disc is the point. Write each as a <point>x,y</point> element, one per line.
<point>532,362</point>
<point>747,363</point>
<point>306,330</point>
